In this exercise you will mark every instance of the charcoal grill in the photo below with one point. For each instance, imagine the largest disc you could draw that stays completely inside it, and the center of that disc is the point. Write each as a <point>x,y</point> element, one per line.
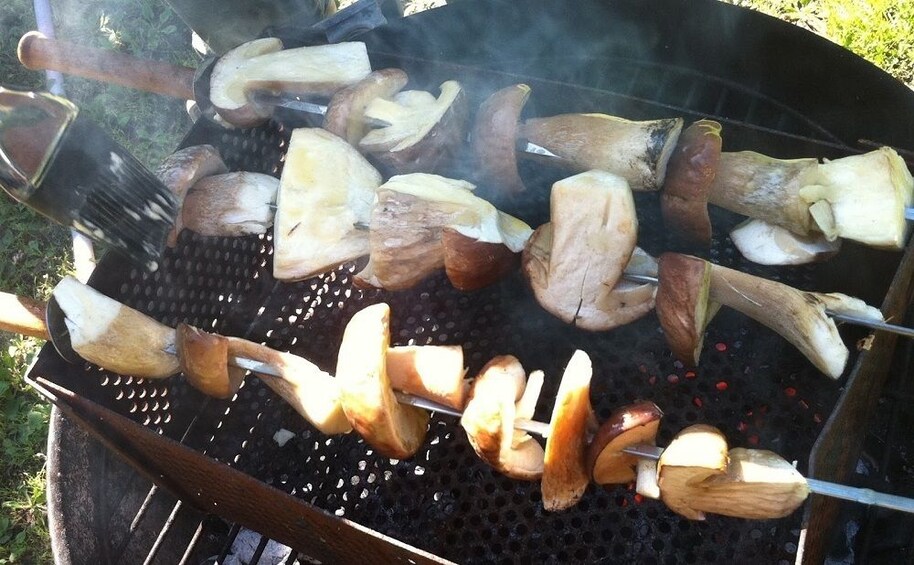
<point>775,88</point>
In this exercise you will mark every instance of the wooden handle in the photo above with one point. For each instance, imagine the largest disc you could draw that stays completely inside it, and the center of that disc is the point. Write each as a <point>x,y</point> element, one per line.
<point>22,316</point>
<point>38,53</point>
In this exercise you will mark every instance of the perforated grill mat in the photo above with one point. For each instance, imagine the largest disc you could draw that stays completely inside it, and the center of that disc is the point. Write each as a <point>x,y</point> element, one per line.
<point>754,386</point>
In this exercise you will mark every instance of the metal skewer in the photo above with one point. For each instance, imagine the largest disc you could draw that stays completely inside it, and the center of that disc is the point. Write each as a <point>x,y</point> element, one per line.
<point>854,494</point>
<point>856,320</point>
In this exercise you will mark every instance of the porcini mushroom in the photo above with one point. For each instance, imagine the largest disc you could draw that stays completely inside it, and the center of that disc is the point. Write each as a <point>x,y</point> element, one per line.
<point>683,305</point>
<point>114,336</point>
<point>796,315</point>
<point>695,454</point>
<point>637,151</point>
<point>407,239</point>
<point>634,424</point>
<point>231,204</point>
<point>565,472</point>
<point>860,197</point>
<point>770,244</point>
<point>325,197</point>
<point>424,131</point>
<point>367,396</point>
<point>494,139</point>
<point>488,420</point>
<point>204,361</point>
<point>435,372</point>
<point>182,169</point>
<point>264,64</point>
<point>313,393</point>
<point>691,170</point>
<point>345,115</point>
<point>574,263</point>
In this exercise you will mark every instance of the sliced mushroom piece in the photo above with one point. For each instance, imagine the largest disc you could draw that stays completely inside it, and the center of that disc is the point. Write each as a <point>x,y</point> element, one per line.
<point>407,238</point>
<point>494,139</point>
<point>526,406</point>
<point>114,336</point>
<point>489,420</point>
<point>864,198</point>
<point>769,244</point>
<point>182,169</point>
<point>691,170</point>
<point>796,315</point>
<point>326,193</point>
<point>345,115</point>
<point>758,485</point>
<point>471,264</point>
<point>204,361</point>
<point>313,393</point>
<point>263,64</point>
<point>634,424</point>
<point>574,263</point>
<point>695,454</point>
<point>683,305</point>
<point>636,151</point>
<point>395,430</point>
<point>435,372</point>
<point>231,204</point>
<point>424,131</point>
<point>646,480</point>
<point>565,474</point>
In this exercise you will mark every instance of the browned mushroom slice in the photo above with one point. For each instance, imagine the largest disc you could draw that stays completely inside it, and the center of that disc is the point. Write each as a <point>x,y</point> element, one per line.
<point>574,263</point>
<point>424,131</point>
<point>768,244</point>
<point>494,139</point>
<point>395,430</point>
<point>114,336</point>
<point>691,170</point>
<point>683,305</point>
<point>565,474</point>
<point>489,420</point>
<point>435,372</point>
<point>695,454</point>
<point>407,233</point>
<point>313,393</point>
<point>345,115</point>
<point>635,424</point>
<point>758,485</point>
<point>204,361</point>
<point>636,151</point>
<point>231,204</point>
<point>182,169</point>
<point>264,64</point>
<point>325,199</point>
<point>471,264</point>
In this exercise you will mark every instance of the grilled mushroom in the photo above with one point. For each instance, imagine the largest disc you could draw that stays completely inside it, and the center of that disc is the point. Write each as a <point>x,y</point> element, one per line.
<point>691,170</point>
<point>634,424</point>
<point>231,204</point>
<point>182,169</point>
<point>345,115</point>
<point>565,473</point>
<point>367,395</point>
<point>114,336</point>
<point>489,420</point>
<point>204,361</point>
<point>683,305</point>
<point>769,244</point>
<point>325,195</point>
<point>494,139</point>
<point>424,131</point>
<point>264,64</point>
<point>696,453</point>
<point>637,151</point>
<point>435,372</point>
<point>574,263</point>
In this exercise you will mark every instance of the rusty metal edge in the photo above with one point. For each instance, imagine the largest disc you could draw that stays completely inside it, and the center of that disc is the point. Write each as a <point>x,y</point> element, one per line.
<point>834,454</point>
<point>218,489</point>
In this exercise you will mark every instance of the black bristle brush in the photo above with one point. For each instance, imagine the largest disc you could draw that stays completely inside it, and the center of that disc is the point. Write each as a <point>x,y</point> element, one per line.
<point>67,168</point>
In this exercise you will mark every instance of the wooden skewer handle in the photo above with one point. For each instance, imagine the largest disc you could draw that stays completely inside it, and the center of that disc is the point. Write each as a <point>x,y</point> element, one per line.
<point>22,316</point>
<point>39,53</point>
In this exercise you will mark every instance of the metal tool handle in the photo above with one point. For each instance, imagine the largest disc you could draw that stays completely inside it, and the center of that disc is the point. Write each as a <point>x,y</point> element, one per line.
<point>37,52</point>
<point>22,316</point>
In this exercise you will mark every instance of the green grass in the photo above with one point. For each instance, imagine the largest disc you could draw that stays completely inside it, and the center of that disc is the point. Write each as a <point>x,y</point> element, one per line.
<point>34,254</point>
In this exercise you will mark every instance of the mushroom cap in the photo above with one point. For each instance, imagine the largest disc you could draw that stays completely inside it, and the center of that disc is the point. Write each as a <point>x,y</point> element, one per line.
<point>634,424</point>
<point>231,204</point>
<point>204,361</point>
<point>366,393</point>
<point>345,115</point>
<point>471,264</point>
<point>182,169</point>
<point>494,139</point>
<point>683,304</point>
